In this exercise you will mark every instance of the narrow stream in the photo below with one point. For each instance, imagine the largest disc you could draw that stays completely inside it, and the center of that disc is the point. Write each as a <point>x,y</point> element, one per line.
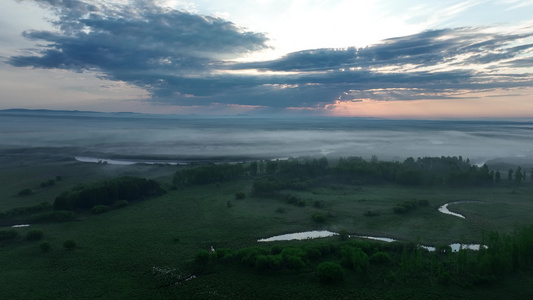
<point>444,208</point>
<point>324,233</point>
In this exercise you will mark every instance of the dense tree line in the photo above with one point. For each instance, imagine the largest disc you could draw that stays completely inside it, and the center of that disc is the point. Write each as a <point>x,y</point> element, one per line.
<point>428,171</point>
<point>107,193</point>
<point>208,174</point>
<point>297,174</point>
<point>304,172</point>
<point>450,171</point>
<point>379,262</point>
<point>25,210</point>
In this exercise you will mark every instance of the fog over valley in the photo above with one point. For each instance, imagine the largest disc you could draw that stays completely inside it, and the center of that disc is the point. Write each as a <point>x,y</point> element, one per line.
<point>186,138</point>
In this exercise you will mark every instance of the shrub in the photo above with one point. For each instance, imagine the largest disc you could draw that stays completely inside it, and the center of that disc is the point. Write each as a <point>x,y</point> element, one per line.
<point>423,202</point>
<point>121,203</point>
<point>240,195</point>
<point>280,210</point>
<point>399,210</point>
<point>354,258</point>
<point>329,272</point>
<point>370,213</point>
<point>223,253</point>
<point>25,192</point>
<point>34,235</point>
<point>291,199</point>
<point>343,235</point>
<point>48,183</point>
<point>319,218</point>
<point>99,209</point>
<point>294,262</point>
<point>380,258</point>
<point>319,204</point>
<point>69,244</point>
<point>45,247</point>
<point>202,257</point>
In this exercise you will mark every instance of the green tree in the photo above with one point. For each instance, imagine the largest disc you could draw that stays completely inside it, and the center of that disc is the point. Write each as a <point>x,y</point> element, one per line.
<point>329,272</point>
<point>343,235</point>
<point>253,168</point>
<point>518,176</point>
<point>25,192</point>
<point>45,247</point>
<point>510,175</point>
<point>497,176</point>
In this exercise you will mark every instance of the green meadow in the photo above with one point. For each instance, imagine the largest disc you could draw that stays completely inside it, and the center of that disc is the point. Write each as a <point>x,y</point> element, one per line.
<point>151,248</point>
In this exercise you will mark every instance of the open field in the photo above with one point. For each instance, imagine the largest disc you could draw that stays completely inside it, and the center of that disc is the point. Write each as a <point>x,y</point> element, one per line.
<point>120,254</point>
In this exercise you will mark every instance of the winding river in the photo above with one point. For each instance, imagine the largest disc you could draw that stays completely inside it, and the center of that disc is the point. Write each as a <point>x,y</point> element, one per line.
<point>325,233</point>
<point>444,208</point>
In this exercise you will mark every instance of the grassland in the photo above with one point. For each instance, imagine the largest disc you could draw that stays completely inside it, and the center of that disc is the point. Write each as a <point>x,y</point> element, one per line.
<point>129,253</point>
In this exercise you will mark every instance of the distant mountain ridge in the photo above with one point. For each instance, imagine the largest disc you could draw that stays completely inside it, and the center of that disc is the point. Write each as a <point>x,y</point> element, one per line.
<point>51,111</point>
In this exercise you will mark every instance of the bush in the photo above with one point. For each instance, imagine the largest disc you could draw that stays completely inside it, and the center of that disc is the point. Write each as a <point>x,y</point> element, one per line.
<point>329,272</point>
<point>48,183</point>
<point>280,210</point>
<point>319,204</point>
<point>99,209</point>
<point>34,235</point>
<point>423,202</point>
<point>45,247</point>
<point>343,235</point>
<point>202,257</point>
<point>399,210</point>
<point>26,210</point>
<point>380,258</point>
<point>25,192</point>
<point>69,244</point>
<point>121,203</point>
<point>370,213</point>
<point>319,218</point>
<point>240,195</point>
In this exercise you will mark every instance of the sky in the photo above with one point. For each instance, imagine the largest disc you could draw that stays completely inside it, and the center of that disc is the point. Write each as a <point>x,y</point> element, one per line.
<point>374,58</point>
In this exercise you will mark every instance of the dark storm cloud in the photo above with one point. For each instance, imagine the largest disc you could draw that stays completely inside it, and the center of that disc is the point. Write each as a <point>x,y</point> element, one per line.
<point>423,49</point>
<point>185,59</point>
<point>145,40</point>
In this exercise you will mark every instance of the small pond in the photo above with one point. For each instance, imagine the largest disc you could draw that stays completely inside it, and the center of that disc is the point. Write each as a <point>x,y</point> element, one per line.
<point>300,236</point>
<point>324,233</point>
<point>123,162</point>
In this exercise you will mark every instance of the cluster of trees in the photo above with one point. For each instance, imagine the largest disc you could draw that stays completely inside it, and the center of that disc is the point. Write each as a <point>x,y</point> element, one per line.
<point>451,171</point>
<point>208,174</point>
<point>25,210</point>
<point>407,206</point>
<point>302,173</point>
<point>391,262</point>
<point>107,193</point>
<point>427,171</point>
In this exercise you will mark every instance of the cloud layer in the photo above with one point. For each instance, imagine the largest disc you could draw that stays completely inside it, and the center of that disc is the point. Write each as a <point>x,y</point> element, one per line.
<point>188,59</point>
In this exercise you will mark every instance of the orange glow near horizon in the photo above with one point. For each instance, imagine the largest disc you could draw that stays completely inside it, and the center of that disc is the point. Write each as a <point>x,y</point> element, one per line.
<point>500,106</point>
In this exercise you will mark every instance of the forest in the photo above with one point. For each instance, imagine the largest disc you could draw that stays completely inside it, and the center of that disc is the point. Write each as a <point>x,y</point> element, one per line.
<point>193,231</point>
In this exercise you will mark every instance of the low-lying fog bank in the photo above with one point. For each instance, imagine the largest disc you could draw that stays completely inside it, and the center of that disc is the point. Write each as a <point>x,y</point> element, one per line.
<point>112,137</point>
